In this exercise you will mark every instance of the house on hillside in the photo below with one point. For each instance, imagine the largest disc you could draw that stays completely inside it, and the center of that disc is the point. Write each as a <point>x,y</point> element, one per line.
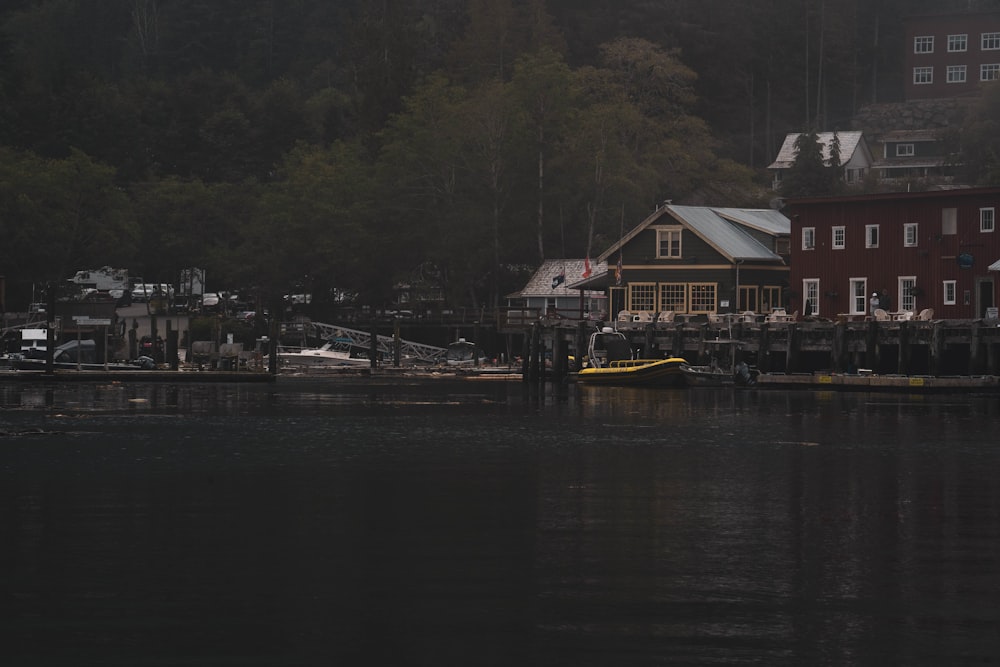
<point>916,250</point>
<point>697,260</point>
<point>855,156</point>
<point>911,155</point>
<point>548,292</point>
<point>950,55</point>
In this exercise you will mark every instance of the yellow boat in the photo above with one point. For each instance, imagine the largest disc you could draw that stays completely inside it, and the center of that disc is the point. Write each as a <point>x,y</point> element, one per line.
<point>610,362</point>
<point>637,372</point>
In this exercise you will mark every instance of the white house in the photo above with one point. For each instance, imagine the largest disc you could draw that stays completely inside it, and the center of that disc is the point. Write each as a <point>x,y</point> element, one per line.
<point>855,156</point>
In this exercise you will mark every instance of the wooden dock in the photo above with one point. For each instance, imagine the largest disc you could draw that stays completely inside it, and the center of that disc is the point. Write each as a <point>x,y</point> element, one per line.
<point>936,348</point>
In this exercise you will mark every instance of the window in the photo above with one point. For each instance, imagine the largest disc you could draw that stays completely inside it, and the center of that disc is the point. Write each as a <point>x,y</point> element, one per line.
<point>989,72</point>
<point>748,298</point>
<point>956,73</point>
<point>910,234</point>
<point>770,298</point>
<point>949,221</point>
<point>782,245</point>
<point>668,243</point>
<point>958,43</point>
<point>810,295</point>
<point>703,297</point>
<point>839,238</point>
<point>990,41</point>
<point>859,296</point>
<point>922,75</point>
<point>987,219</point>
<point>950,292</point>
<point>673,296</point>
<point>907,300</point>
<point>642,296</point>
<point>904,150</point>
<point>871,236</point>
<point>923,44</point>
<point>808,238</point>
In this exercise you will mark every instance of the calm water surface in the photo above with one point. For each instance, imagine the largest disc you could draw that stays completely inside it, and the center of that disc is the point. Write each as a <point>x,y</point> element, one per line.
<point>316,522</point>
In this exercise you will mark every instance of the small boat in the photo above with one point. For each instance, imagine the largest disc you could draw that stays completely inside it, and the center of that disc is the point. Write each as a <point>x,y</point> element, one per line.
<point>611,362</point>
<point>335,352</point>
<point>727,374</point>
<point>464,353</point>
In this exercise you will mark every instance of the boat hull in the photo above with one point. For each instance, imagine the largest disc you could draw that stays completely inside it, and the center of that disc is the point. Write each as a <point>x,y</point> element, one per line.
<point>642,373</point>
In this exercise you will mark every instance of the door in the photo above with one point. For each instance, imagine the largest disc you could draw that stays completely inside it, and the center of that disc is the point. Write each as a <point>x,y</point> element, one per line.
<point>984,296</point>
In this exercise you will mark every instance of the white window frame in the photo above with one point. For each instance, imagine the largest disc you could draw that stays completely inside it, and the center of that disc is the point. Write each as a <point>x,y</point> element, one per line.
<point>958,43</point>
<point>906,299</point>
<point>905,150</point>
<point>989,72</point>
<point>808,238</point>
<point>949,292</point>
<point>989,41</point>
<point>923,76</point>
<point>923,44</point>
<point>859,296</point>
<point>668,233</point>
<point>838,237</point>
<point>956,74</point>
<point>810,293</point>
<point>910,236</point>
<point>871,236</point>
<point>987,219</point>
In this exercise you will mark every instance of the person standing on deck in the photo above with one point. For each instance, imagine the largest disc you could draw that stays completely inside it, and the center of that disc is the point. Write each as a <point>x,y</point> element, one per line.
<point>874,303</point>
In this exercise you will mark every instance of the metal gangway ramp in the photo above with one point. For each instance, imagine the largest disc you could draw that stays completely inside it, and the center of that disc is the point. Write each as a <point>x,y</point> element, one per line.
<point>408,350</point>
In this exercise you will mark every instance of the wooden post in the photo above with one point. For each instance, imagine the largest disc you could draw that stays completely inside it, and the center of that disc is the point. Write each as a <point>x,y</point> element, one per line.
<point>678,342</point>
<point>838,352</point>
<point>397,344</point>
<point>373,346</point>
<point>649,343</point>
<point>792,349</point>
<point>937,349</point>
<point>903,356</point>
<point>581,344</point>
<point>526,356</point>
<point>559,361</point>
<point>871,346</point>
<point>764,348</point>
<point>975,348</point>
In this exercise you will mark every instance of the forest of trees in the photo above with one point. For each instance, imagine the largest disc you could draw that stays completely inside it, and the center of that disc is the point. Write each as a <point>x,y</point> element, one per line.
<point>360,143</point>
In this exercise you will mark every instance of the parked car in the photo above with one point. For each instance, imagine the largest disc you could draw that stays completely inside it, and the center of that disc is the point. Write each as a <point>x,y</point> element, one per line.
<point>147,291</point>
<point>210,301</point>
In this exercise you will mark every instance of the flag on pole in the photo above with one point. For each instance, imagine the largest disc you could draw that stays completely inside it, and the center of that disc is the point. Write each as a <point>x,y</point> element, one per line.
<point>559,280</point>
<point>586,269</point>
<point>618,271</point>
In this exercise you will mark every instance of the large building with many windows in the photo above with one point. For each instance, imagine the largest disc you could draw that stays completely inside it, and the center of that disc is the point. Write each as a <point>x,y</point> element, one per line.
<point>951,55</point>
<point>931,250</point>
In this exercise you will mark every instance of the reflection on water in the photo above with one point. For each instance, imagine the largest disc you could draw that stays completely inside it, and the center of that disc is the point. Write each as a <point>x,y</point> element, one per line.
<point>440,522</point>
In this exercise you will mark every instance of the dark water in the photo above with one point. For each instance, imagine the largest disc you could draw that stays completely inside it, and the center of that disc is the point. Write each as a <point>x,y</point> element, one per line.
<point>445,523</point>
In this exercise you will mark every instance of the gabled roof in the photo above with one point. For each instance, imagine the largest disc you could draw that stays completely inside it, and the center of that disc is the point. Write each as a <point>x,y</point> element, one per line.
<point>540,284</point>
<point>721,228</point>
<point>849,143</point>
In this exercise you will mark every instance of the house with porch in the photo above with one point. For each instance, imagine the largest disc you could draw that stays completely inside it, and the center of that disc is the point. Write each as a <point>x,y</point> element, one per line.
<point>916,251</point>
<point>696,260</point>
<point>548,294</point>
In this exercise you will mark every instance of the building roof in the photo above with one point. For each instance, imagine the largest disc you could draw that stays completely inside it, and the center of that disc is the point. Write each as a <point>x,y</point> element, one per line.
<point>540,284</point>
<point>849,142</point>
<point>722,228</point>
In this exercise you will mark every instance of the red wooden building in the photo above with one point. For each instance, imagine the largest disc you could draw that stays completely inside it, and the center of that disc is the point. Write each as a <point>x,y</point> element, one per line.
<point>916,250</point>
